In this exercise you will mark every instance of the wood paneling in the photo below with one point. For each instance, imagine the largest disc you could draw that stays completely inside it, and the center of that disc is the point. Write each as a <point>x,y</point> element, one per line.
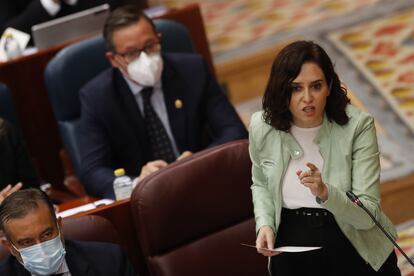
<point>397,199</point>
<point>246,77</point>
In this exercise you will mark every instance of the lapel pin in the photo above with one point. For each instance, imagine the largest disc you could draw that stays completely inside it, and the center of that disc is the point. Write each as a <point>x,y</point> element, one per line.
<point>178,104</point>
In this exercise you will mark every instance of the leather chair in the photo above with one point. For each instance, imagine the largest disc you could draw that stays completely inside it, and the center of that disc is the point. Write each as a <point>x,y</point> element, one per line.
<point>84,228</point>
<point>90,228</point>
<point>76,64</point>
<point>191,216</point>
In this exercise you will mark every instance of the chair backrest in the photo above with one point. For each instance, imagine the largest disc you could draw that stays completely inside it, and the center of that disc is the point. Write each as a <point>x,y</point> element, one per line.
<point>191,216</point>
<point>90,228</point>
<point>84,228</point>
<point>76,64</point>
<point>7,110</point>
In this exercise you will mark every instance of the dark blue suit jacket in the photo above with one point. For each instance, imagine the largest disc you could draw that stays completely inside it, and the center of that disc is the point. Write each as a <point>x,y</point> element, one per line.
<point>83,259</point>
<point>112,128</point>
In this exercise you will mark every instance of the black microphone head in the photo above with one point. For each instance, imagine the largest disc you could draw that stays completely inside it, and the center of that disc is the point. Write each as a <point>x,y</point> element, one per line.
<point>354,198</point>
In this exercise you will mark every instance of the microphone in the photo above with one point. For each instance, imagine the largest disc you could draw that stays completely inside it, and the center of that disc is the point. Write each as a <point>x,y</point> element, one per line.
<point>358,202</point>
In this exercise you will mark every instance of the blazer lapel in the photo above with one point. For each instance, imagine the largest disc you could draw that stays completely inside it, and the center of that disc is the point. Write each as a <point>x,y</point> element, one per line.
<point>18,268</point>
<point>129,103</point>
<point>176,105</point>
<point>76,264</point>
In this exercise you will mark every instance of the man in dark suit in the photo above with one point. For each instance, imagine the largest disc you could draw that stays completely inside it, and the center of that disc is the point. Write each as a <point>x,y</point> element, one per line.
<point>34,239</point>
<point>150,108</point>
<point>23,14</point>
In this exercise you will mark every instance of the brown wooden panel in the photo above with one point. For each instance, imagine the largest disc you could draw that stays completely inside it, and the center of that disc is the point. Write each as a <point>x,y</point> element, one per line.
<point>190,16</point>
<point>397,199</point>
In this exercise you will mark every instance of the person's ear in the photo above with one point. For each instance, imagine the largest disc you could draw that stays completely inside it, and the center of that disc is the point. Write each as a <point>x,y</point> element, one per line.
<point>111,58</point>
<point>5,242</point>
<point>59,224</point>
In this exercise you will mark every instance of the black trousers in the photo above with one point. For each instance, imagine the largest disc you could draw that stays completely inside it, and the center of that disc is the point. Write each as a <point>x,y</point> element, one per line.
<point>337,257</point>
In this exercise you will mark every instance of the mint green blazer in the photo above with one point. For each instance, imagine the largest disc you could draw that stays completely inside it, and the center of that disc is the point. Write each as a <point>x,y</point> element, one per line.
<point>351,162</point>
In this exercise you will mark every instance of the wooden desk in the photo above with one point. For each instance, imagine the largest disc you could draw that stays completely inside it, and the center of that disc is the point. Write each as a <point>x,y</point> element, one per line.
<point>119,213</point>
<point>24,77</point>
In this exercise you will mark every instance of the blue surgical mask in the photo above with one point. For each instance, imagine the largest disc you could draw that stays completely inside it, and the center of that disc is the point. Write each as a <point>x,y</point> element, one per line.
<point>43,258</point>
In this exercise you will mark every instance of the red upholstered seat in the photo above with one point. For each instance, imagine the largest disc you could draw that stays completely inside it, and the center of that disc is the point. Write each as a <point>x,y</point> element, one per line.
<point>191,216</point>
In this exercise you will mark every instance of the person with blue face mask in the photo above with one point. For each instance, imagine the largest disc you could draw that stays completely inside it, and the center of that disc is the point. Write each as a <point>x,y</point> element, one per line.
<point>34,238</point>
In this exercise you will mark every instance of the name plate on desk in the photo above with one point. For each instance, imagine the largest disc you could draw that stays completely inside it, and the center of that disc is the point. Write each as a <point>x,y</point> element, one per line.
<point>84,208</point>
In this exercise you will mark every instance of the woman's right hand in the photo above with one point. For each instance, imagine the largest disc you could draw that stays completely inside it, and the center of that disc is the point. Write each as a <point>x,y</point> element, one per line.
<point>266,240</point>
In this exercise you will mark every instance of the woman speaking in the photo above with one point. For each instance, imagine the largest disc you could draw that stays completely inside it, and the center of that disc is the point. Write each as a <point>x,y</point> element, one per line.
<point>309,146</point>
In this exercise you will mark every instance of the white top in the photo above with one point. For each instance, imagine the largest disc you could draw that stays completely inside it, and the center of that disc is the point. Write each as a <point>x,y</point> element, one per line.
<point>53,8</point>
<point>294,194</point>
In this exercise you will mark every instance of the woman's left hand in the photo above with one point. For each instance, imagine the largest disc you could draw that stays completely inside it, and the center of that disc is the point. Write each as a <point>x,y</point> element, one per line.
<point>313,180</point>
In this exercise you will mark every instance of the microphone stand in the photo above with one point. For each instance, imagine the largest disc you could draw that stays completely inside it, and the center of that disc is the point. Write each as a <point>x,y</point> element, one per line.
<point>356,200</point>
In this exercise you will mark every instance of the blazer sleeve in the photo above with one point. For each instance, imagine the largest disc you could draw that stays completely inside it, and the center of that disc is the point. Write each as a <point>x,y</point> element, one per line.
<point>96,172</point>
<point>264,210</point>
<point>365,179</point>
<point>222,119</point>
<point>23,20</point>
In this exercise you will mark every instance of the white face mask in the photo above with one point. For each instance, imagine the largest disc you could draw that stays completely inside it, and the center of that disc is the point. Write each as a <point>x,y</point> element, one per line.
<point>44,258</point>
<point>146,69</point>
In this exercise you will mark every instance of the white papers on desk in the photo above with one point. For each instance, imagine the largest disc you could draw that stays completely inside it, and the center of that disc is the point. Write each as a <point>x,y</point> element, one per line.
<point>288,248</point>
<point>296,248</point>
<point>84,208</point>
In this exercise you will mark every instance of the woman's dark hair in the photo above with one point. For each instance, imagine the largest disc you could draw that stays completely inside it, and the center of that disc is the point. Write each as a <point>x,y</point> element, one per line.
<point>286,67</point>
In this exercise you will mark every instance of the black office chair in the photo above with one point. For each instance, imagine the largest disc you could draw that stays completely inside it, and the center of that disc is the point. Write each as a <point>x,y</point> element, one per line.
<point>76,64</point>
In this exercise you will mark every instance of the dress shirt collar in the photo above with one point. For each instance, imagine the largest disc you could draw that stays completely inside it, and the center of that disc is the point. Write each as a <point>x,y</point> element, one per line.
<point>137,88</point>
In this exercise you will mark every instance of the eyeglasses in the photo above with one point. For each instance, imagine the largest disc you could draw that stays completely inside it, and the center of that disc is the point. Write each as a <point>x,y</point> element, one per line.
<point>150,48</point>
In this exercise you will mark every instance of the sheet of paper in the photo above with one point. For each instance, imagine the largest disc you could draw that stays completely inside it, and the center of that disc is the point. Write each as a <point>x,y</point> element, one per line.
<point>288,248</point>
<point>296,248</point>
<point>84,208</point>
